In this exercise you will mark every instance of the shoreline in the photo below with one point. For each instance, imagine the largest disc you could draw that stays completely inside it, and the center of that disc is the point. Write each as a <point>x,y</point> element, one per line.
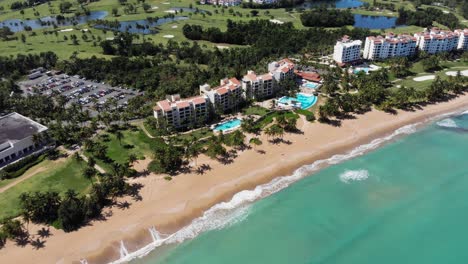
<point>171,205</point>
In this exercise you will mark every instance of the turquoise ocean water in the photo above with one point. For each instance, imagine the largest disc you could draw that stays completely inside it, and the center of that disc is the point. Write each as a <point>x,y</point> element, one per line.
<point>405,202</point>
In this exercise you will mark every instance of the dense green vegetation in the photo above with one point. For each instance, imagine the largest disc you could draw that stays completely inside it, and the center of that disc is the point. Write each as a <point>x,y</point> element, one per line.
<point>323,17</point>
<point>426,17</point>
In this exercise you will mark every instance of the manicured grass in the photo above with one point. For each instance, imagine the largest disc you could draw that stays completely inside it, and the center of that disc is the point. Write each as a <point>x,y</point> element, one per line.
<point>255,110</point>
<point>134,141</point>
<point>59,177</point>
<point>268,119</point>
<point>197,134</point>
<point>6,182</point>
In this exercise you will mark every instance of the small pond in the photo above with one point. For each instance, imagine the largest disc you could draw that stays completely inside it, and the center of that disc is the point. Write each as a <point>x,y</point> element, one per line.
<point>375,22</point>
<point>335,3</point>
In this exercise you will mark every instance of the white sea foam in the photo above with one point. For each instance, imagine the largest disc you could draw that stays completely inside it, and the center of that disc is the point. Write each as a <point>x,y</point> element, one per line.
<point>237,209</point>
<point>448,122</point>
<point>354,175</point>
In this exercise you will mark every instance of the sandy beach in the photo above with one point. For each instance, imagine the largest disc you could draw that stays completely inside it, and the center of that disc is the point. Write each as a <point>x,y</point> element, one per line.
<point>169,205</point>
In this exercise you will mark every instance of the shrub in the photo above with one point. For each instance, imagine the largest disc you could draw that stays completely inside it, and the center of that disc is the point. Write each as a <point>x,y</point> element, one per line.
<point>310,117</point>
<point>18,168</point>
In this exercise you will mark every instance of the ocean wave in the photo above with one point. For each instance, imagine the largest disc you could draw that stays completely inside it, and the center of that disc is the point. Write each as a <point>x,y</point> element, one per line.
<point>237,209</point>
<point>354,175</point>
<point>448,122</point>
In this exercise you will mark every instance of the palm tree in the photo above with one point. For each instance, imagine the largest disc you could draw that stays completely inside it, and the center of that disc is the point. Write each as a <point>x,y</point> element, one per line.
<point>89,173</point>
<point>255,142</point>
<point>77,157</point>
<point>132,158</point>
<point>119,135</point>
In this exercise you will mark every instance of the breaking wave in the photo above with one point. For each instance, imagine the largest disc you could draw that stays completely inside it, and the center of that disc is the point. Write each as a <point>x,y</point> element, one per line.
<point>237,209</point>
<point>448,122</point>
<point>354,175</point>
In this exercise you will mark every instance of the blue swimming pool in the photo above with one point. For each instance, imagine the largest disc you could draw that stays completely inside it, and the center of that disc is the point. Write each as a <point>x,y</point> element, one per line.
<point>228,125</point>
<point>357,70</point>
<point>311,85</point>
<point>305,100</point>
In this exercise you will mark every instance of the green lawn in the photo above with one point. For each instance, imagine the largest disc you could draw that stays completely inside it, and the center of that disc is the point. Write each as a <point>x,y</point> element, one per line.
<point>255,110</point>
<point>59,177</point>
<point>268,119</point>
<point>134,141</point>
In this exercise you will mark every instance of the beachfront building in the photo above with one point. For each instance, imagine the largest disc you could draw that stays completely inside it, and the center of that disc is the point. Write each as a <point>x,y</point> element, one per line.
<point>17,137</point>
<point>224,97</point>
<point>258,86</point>
<point>435,40</point>
<point>180,113</point>
<point>462,38</point>
<point>281,69</point>
<point>379,47</point>
<point>347,50</point>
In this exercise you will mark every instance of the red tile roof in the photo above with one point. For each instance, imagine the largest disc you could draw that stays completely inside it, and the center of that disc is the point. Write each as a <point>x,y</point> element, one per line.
<point>267,77</point>
<point>182,104</point>
<point>222,90</point>
<point>235,81</point>
<point>199,100</point>
<point>310,76</point>
<point>165,105</point>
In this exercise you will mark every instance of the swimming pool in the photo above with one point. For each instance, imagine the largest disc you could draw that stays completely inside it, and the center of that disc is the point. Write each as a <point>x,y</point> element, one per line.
<point>357,70</point>
<point>305,101</point>
<point>228,125</point>
<point>311,85</point>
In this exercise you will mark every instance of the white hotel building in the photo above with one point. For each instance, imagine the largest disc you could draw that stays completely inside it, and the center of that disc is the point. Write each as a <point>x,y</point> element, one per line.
<point>179,112</point>
<point>347,51</point>
<point>258,86</point>
<point>224,97</point>
<point>435,40</point>
<point>379,47</point>
<point>281,69</point>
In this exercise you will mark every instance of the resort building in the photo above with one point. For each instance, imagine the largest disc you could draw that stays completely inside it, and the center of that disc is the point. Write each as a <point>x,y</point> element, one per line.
<point>224,97</point>
<point>347,51</point>
<point>180,113</point>
<point>462,38</point>
<point>377,48</point>
<point>281,69</point>
<point>258,86</point>
<point>17,138</point>
<point>435,40</point>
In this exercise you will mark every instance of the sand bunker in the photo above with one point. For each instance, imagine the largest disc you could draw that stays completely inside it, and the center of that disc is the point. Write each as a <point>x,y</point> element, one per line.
<point>166,3</point>
<point>424,78</point>
<point>170,11</point>
<point>222,47</point>
<point>454,73</point>
<point>110,38</point>
<point>276,21</point>
<point>154,7</point>
<point>174,26</point>
<point>168,36</point>
<point>66,30</point>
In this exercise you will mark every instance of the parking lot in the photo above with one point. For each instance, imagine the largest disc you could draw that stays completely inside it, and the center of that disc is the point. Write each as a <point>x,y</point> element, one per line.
<point>91,94</point>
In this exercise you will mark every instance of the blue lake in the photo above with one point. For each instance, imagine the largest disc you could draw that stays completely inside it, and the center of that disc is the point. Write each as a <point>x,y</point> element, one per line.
<point>375,22</point>
<point>337,4</point>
